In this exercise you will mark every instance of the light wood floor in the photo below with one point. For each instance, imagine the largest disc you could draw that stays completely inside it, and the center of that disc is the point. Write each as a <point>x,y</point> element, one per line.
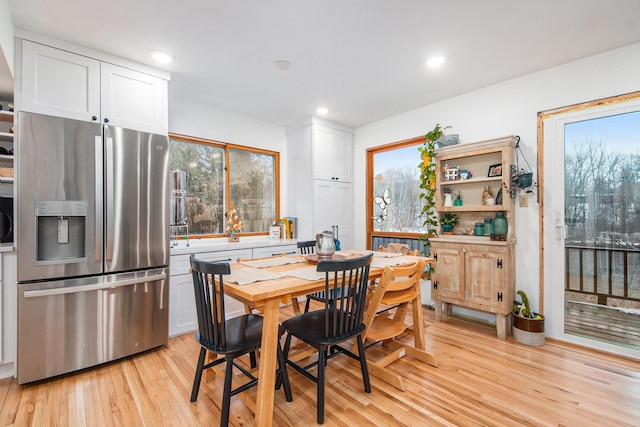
<point>479,381</point>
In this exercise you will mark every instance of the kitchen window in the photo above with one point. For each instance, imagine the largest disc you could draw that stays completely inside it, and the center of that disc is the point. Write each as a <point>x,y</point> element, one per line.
<point>220,176</point>
<point>394,206</point>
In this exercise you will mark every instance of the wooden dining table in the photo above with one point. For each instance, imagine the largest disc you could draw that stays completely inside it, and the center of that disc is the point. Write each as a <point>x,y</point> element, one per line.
<point>267,295</point>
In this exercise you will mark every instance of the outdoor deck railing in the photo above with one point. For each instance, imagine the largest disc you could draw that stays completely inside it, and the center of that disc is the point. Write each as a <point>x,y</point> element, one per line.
<point>605,272</point>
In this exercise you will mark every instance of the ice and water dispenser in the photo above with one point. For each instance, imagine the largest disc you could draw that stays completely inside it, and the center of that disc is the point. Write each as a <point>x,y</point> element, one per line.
<point>61,229</point>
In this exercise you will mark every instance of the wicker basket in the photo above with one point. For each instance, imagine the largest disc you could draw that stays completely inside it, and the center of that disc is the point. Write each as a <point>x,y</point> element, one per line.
<point>6,172</point>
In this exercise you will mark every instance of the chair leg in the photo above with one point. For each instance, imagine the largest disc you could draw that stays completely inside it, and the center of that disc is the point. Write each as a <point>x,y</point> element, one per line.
<point>283,376</point>
<point>198,376</point>
<point>226,394</point>
<point>363,365</point>
<point>252,359</point>
<point>321,364</point>
<point>306,305</point>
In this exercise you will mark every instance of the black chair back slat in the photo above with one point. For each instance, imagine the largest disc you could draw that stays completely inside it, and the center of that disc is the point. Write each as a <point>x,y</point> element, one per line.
<point>209,303</point>
<point>346,285</point>
<point>307,247</point>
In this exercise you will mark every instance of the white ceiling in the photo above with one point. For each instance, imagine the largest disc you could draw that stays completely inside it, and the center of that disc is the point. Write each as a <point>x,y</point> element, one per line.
<point>363,59</point>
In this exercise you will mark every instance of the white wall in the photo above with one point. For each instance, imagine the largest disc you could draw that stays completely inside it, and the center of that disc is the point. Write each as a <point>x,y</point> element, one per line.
<point>6,35</point>
<point>200,121</point>
<point>506,108</point>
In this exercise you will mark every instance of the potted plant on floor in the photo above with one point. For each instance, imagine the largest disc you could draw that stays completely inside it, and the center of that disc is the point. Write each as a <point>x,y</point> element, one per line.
<point>448,220</point>
<point>528,327</point>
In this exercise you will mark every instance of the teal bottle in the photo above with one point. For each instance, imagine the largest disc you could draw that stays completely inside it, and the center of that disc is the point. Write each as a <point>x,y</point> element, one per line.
<point>478,230</point>
<point>500,224</point>
<point>458,200</point>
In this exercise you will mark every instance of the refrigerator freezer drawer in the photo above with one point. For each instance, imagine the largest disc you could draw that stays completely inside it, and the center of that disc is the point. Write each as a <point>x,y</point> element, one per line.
<point>73,324</point>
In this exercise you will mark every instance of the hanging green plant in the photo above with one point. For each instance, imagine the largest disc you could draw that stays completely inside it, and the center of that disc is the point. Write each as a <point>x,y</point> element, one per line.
<point>428,185</point>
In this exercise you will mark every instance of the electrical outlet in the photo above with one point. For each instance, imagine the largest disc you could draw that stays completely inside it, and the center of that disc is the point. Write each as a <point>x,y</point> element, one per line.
<point>524,201</point>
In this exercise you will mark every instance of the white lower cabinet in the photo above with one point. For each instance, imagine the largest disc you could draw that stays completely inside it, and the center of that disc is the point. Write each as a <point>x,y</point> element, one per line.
<point>182,306</point>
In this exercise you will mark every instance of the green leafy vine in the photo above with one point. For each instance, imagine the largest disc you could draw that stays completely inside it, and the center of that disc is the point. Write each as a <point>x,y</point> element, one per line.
<point>428,185</point>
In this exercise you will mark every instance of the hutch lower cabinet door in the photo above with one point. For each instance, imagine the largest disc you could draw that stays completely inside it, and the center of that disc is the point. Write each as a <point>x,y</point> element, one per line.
<point>480,276</point>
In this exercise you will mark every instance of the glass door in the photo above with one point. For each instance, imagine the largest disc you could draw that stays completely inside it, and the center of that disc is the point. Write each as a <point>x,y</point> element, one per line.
<point>591,220</point>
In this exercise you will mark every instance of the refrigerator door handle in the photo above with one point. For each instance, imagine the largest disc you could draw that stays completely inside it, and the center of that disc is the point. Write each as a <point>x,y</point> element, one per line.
<point>109,186</point>
<point>99,228</point>
<point>93,287</point>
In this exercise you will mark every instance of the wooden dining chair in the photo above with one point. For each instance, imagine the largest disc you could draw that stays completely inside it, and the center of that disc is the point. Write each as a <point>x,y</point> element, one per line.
<point>391,248</point>
<point>338,321</point>
<point>399,248</point>
<point>230,338</point>
<point>398,286</point>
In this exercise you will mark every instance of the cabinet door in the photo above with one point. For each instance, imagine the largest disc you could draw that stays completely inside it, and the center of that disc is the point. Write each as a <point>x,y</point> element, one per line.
<point>485,278</point>
<point>448,274</point>
<point>133,100</point>
<point>59,83</point>
<point>342,210</point>
<point>322,153</point>
<point>332,154</point>
<point>342,155</point>
<point>182,304</point>
<point>333,210</point>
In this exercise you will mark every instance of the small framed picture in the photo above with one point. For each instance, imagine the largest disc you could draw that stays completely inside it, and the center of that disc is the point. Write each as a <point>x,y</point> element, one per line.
<point>495,170</point>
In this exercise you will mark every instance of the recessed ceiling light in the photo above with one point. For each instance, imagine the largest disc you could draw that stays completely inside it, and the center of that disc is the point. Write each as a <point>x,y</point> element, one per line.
<point>435,61</point>
<point>322,110</point>
<point>159,56</point>
<point>282,65</point>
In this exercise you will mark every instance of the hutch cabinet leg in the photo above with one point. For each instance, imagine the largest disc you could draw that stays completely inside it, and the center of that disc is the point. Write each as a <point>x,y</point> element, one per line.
<point>502,325</point>
<point>438,307</point>
<point>448,309</point>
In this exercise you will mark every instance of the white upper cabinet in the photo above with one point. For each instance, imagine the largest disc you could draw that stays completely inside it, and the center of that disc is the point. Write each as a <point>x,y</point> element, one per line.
<point>59,83</point>
<point>64,84</point>
<point>133,100</point>
<point>320,164</point>
<point>332,154</point>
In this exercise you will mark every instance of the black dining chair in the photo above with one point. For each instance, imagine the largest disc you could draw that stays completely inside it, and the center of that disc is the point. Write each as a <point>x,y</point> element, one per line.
<point>230,338</point>
<point>308,247</point>
<point>340,320</point>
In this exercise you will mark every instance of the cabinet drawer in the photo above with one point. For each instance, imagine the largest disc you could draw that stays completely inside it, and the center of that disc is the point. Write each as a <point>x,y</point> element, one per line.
<point>180,263</point>
<point>274,251</point>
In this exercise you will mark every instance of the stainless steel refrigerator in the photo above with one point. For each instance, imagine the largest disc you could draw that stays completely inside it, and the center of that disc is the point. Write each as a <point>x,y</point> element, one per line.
<point>92,243</point>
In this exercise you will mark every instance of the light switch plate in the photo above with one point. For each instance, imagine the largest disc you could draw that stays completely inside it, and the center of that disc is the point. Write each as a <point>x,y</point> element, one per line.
<point>524,201</point>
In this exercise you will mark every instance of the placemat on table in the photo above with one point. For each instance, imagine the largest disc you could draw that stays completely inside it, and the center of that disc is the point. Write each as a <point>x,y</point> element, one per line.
<point>271,262</point>
<point>306,274</point>
<point>244,276</point>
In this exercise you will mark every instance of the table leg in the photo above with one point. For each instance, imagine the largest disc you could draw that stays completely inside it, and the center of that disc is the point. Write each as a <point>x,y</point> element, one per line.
<point>268,363</point>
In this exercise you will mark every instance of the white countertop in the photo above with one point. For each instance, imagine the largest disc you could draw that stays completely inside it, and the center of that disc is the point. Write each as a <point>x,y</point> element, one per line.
<point>222,244</point>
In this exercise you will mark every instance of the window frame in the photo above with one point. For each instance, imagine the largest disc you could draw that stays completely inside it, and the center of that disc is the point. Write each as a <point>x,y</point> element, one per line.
<point>227,192</point>
<point>371,152</point>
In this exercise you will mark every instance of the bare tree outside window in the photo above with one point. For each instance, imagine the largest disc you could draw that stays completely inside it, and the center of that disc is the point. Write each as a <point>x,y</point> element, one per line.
<point>249,184</point>
<point>395,171</point>
<point>602,204</point>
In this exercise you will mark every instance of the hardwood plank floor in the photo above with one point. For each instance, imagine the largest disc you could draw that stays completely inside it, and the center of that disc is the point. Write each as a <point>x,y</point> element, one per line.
<point>480,381</point>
